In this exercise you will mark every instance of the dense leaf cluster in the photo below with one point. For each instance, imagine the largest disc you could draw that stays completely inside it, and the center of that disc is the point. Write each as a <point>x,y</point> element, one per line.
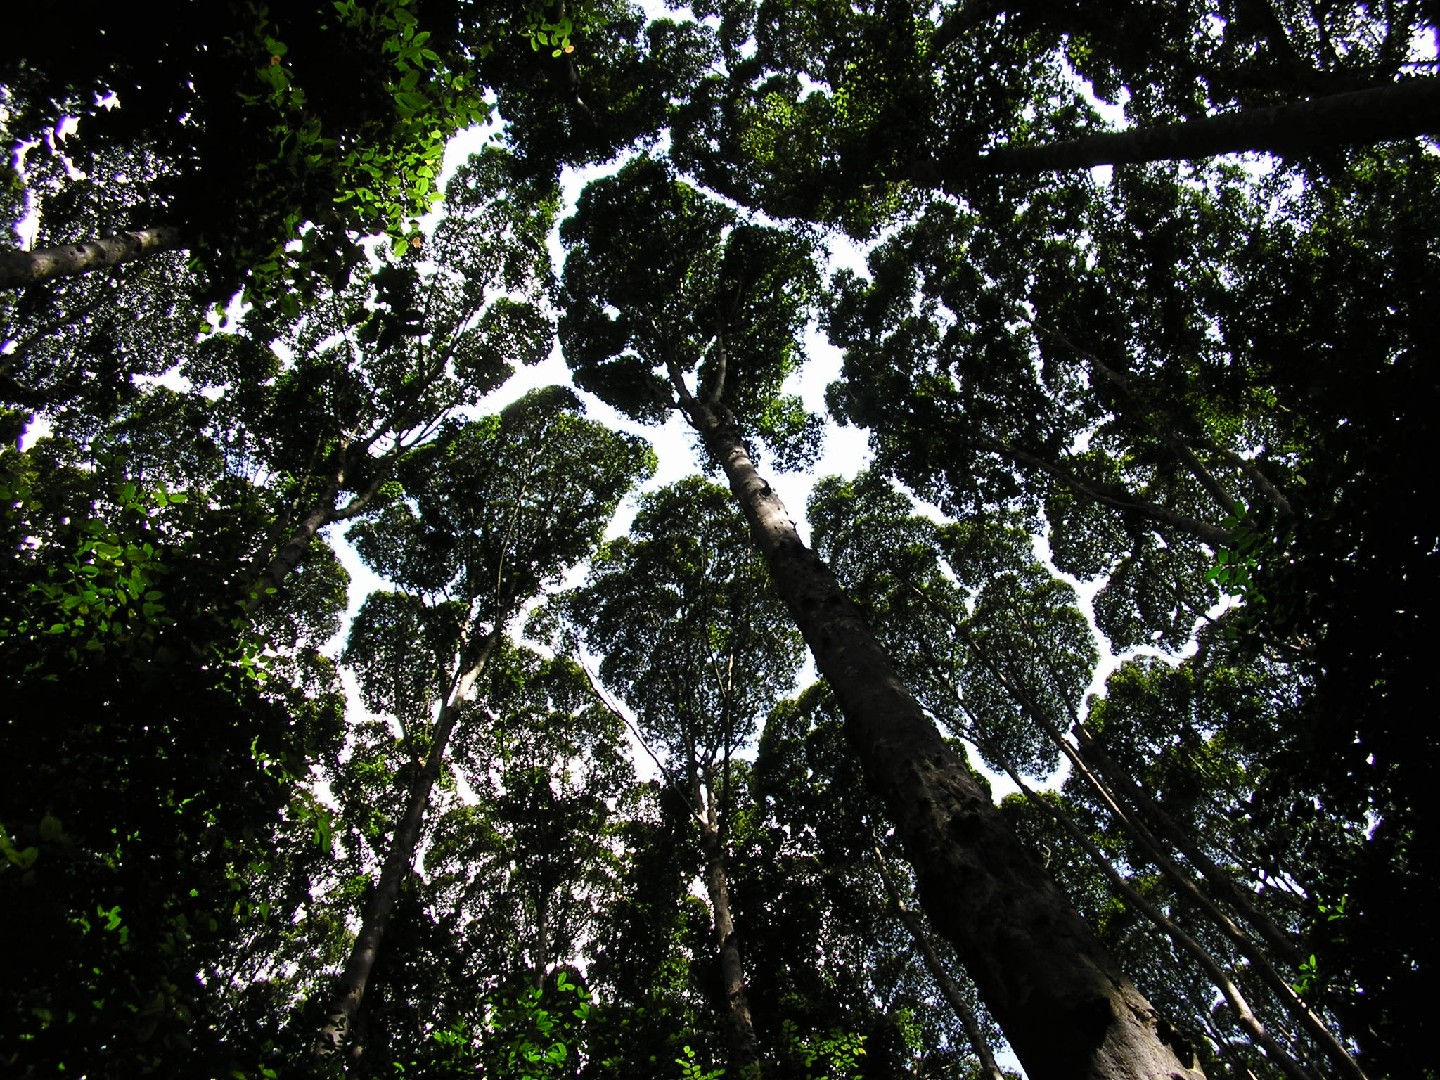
<point>558,804</point>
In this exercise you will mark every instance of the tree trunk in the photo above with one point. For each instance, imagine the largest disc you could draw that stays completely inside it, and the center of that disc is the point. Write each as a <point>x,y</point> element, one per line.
<point>1061,999</point>
<point>21,268</point>
<point>739,1027</point>
<point>1399,110</point>
<point>989,1069</point>
<point>322,512</point>
<point>1091,753</point>
<point>540,955</point>
<point>288,557</point>
<point>340,1015</point>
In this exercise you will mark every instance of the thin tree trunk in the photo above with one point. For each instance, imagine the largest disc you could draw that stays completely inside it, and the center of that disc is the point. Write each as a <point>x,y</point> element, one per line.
<point>322,512</point>
<point>1399,110</point>
<point>739,1026</point>
<point>989,1069</point>
<point>1185,885</point>
<point>340,1015</point>
<point>540,958</point>
<point>1095,757</point>
<point>1061,999</point>
<point>1139,831</point>
<point>293,550</point>
<point>21,268</point>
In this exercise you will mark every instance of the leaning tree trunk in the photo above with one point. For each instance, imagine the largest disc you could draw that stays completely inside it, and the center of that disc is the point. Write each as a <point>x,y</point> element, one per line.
<point>1064,1004</point>
<point>345,1005</point>
<point>1400,110</point>
<point>21,268</point>
<point>320,514</point>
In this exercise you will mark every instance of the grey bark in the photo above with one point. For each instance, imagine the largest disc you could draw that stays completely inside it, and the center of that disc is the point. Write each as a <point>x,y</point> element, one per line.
<point>293,550</point>
<point>21,268</point>
<point>1061,999</point>
<point>1398,110</point>
<point>350,994</point>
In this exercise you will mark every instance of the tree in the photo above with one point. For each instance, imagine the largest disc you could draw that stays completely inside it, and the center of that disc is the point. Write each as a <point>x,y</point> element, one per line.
<point>727,309</point>
<point>256,130</point>
<point>687,587</point>
<point>152,755</point>
<point>1127,448</point>
<point>852,955</point>
<point>1200,382</point>
<point>835,113</point>
<point>1135,435</point>
<point>498,512</point>
<point>249,124</point>
<point>518,868</point>
<point>381,365</point>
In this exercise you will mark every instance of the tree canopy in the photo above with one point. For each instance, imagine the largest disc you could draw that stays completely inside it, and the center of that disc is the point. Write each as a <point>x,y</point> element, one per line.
<point>1114,757</point>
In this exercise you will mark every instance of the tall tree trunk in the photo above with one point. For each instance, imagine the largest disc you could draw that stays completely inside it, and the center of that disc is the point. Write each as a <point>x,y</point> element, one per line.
<point>1399,110</point>
<point>340,1016</point>
<point>740,1037</point>
<point>989,1069</point>
<point>21,268</point>
<point>1061,999</point>
<point>540,955</point>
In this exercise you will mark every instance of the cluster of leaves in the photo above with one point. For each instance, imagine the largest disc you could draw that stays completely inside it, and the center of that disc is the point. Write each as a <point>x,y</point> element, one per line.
<point>118,662</point>
<point>1193,378</point>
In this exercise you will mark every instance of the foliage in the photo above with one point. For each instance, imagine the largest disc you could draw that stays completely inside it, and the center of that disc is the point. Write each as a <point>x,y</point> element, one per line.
<point>832,1057</point>
<point>1180,384</point>
<point>331,115</point>
<point>724,304</point>
<point>132,875</point>
<point>539,1028</point>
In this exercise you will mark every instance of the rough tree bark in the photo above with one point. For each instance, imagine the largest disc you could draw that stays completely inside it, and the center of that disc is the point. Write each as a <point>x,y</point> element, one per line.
<point>21,268</point>
<point>1061,999</point>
